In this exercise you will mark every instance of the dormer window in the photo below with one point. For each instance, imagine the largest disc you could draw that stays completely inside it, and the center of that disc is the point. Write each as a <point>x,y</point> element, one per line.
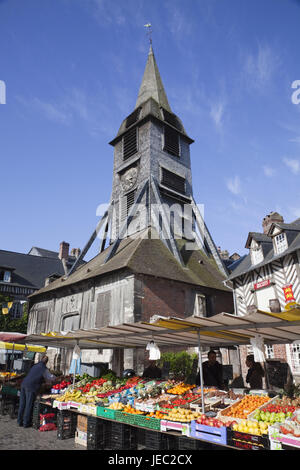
<point>256,253</point>
<point>5,275</point>
<point>280,243</point>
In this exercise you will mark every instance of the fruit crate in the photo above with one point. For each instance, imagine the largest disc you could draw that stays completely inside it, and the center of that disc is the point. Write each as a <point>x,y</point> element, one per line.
<point>209,433</point>
<point>183,428</point>
<point>123,437</point>
<point>66,424</point>
<point>261,442</point>
<point>127,418</point>
<point>98,433</point>
<point>106,412</point>
<point>272,400</point>
<point>147,422</point>
<point>155,440</point>
<point>186,443</point>
<point>285,439</point>
<point>39,408</point>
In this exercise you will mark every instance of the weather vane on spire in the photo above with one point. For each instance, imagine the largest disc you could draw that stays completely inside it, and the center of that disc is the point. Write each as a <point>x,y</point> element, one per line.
<point>149,31</point>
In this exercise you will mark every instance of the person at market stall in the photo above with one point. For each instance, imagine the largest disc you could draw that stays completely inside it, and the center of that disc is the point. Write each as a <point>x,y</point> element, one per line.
<point>212,372</point>
<point>152,371</point>
<point>255,373</point>
<point>29,389</point>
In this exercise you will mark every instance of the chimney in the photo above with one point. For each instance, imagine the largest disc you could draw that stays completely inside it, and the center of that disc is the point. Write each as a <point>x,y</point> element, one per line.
<point>271,218</point>
<point>64,250</point>
<point>75,252</point>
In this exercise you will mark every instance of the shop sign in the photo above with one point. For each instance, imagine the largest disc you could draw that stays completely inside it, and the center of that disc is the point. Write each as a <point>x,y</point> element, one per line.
<point>260,285</point>
<point>288,293</point>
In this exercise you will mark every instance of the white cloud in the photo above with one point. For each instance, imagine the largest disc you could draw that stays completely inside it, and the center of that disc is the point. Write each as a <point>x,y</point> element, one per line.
<point>293,164</point>
<point>234,185</point>
<point>260,66</point>
<point>217,113</point>
<point>268,171</point>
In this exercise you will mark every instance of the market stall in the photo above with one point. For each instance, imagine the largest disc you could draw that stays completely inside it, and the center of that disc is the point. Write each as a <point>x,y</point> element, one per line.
<point>233,418</point>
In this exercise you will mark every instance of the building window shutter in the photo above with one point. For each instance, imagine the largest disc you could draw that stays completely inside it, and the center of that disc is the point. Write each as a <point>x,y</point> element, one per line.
<point>130,143</point>
<point>173,181</point>
<point>103,309</point>
<point>171,141</point>
<point>133,117</point>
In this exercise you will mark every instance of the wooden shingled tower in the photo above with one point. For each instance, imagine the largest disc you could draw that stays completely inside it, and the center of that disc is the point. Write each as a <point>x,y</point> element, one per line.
<point>156,254</point>
<point>152,179</point>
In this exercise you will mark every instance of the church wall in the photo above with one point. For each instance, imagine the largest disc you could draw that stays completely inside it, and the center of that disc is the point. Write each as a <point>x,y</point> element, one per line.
<point>108,301</point>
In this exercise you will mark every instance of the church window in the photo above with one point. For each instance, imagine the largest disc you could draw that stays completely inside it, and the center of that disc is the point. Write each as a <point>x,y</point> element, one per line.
<point>130,143</point>
<point>171,141</point>
<point>127,203</point>
<point>133,117</point>
<point>173,181</point>
<point>71,322</point>
<point>171,118</point>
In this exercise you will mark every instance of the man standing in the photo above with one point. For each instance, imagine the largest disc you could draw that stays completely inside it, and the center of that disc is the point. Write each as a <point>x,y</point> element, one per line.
<point>30,388</point>
<point>212,372</point>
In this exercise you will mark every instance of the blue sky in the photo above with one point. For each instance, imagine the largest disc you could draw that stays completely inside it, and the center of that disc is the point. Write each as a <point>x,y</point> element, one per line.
<point>72,70</point>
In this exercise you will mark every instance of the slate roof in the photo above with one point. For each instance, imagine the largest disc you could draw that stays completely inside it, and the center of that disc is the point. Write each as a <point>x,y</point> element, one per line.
<point>292,232</point>
<point>143,255</point>
<point>29,270</point>
<point>152,100</point>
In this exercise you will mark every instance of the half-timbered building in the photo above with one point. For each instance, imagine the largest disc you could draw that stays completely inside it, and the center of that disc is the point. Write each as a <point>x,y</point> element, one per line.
<point>268,278</point>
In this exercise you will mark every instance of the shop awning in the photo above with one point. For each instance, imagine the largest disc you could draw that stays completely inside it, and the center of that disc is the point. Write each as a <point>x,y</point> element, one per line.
<point>221,330</point>
<point>21,347</point>
<point>11,336</point>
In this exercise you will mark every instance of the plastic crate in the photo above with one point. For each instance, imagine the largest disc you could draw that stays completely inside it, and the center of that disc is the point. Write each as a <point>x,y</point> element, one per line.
<point>186,443</point>
<point>209,433</point>
<point>123,437</point>
<point>259,441</point>
<point>4,406</point>
<point>98,433</point>
<point>147,422</point>
<point>155,441</point>
<point>106,412</point>
<point>127,418</point>
<point>66,424</point>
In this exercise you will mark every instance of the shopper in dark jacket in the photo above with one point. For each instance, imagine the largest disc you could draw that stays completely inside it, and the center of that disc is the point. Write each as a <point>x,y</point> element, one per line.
<point>255,373</point>
<point>30,388</point>
<point>152,371</point>
<point>212,372</point>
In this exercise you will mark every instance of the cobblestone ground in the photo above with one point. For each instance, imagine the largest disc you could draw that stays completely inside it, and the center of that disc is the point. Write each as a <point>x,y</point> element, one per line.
<point>13,437</point>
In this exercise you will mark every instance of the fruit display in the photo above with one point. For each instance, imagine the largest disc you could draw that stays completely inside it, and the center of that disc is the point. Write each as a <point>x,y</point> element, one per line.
<point>182,415</point>
<point>116,406</point>
<point>156,414</point>
<point>243,408</point>
<point>180,389</point>
<point>77,397</point>
<point>62,385</point>
<point>251,426</point>
<point>185,399</point>
<point>214,422</point>
<point>291,427</point>
<point>132,410</point>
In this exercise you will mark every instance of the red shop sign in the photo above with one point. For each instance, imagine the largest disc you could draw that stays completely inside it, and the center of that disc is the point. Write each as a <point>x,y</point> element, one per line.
<point>261,284</point>
<point>288,293</point>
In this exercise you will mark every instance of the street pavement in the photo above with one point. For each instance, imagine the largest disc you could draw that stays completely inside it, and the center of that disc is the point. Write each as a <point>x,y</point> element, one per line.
<point>14,437</point>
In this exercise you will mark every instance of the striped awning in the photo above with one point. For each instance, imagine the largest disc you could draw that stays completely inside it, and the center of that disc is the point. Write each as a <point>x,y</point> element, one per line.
<point>220,330</point>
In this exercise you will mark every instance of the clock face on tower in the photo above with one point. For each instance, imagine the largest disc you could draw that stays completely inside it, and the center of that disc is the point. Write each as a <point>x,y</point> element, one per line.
<point>128,179</point>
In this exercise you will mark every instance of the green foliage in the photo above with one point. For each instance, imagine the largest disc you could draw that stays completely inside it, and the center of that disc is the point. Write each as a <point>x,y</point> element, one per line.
<point>181,363</point>
<point>18,325</point>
